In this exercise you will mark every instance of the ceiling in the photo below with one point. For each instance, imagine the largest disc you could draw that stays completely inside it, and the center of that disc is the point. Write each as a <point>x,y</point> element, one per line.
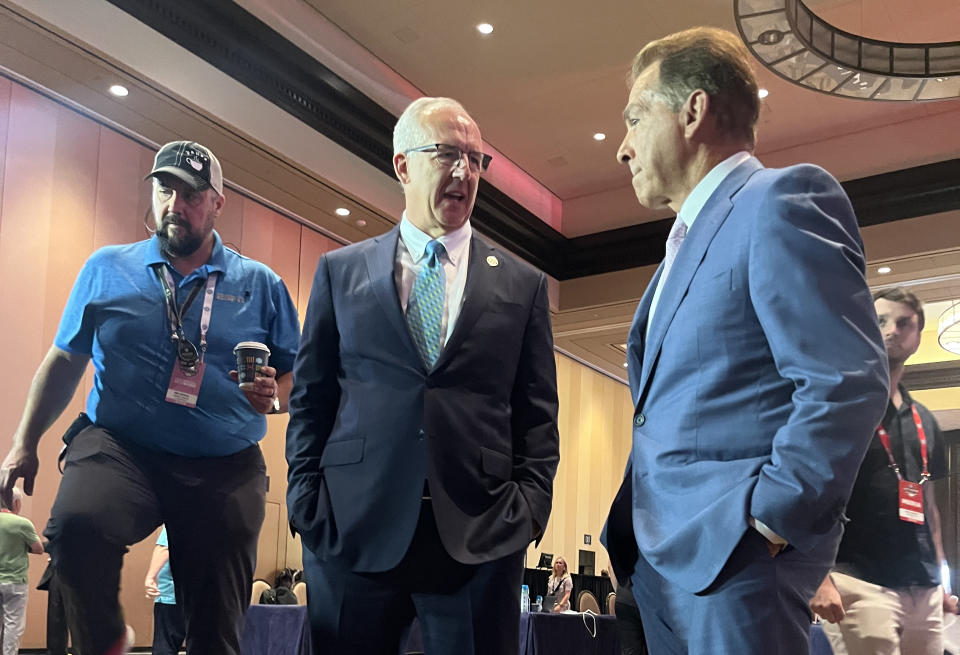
<point>553,72</point>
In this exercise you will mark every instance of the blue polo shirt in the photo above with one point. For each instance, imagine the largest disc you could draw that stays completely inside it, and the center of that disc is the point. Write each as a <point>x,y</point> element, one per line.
<point>116,313</point>
<point>168,593</point>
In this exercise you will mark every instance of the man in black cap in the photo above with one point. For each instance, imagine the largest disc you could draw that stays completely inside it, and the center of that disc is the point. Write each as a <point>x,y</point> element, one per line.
<point>167,436</point>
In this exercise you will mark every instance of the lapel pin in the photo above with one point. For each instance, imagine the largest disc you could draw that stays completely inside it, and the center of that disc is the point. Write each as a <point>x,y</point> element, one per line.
<point>493,261</point>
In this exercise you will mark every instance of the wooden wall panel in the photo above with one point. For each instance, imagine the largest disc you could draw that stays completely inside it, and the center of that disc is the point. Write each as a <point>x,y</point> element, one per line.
<point>230,224</point>
<point>595,434</point>
<point>274,240</point>
<point>121,190</point>
<point>6,88</point>
<point>312,246</point>
<point>267,549</point>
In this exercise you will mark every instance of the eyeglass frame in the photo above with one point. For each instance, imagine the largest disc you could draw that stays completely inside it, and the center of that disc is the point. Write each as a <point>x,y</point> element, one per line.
<point>435,147</point>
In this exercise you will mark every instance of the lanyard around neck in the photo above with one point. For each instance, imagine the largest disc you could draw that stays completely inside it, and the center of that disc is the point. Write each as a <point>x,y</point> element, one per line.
<point>921,437</point>
<point>175,314</point>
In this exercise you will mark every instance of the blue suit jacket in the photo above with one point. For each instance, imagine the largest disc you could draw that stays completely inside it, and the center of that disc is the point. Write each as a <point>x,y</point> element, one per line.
<point>369,423</point>
<point>761,382</point>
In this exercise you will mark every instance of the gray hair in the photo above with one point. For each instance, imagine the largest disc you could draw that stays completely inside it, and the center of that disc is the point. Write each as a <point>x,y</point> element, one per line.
<point>408,132</point>
<point>711,59</point>
<point>16,497</point>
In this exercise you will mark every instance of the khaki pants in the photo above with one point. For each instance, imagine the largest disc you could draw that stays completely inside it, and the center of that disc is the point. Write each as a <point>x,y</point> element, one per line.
<point>883,621</point>
<point>13,613</point>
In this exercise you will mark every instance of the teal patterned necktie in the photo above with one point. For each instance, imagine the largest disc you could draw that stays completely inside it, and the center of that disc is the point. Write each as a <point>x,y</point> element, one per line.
<point>425,305</point>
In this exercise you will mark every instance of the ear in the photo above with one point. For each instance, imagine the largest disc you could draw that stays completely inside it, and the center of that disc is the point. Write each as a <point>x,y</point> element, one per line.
<point>400,168</point>
<point>694,113</point>
<point>218,203</point>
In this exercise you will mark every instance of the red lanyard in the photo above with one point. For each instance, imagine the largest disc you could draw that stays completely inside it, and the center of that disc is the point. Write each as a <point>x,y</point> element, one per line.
<point>921,435</point>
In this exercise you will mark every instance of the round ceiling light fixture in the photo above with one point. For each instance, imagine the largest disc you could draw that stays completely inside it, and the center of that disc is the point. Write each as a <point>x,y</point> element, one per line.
<point>799,46</point>
<point>948,328</point>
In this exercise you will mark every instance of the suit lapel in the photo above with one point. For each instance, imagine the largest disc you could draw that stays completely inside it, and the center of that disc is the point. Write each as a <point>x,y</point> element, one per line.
<point>481,280</point>
<point>637,335</point>
<point>688,260</point>
<point>380,262</point>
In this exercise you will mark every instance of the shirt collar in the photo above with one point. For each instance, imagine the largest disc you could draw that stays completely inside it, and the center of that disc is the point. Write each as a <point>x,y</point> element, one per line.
<point>701,193</point>
<point>415,240</point>
<point>216,263</point>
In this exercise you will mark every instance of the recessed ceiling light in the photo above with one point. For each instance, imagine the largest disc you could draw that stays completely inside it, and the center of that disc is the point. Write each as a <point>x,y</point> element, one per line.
<point>485,28</point>
<point>119,90</point>
<point>625,365</point>
<point>763,93</point>
<point>342,211</point>
<point>360,222</point>
<point>599,136</point>
<point>883,270</point>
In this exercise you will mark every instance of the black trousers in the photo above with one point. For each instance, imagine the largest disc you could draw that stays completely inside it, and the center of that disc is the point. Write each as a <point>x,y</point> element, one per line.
<point>114,494</point>
<point>629,626</point>
<point>57,631</point>
<point>462,609</point>
<point>169,629</point>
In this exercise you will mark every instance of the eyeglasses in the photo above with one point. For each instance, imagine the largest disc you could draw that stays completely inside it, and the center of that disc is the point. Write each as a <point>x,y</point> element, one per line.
<point>451,156</point>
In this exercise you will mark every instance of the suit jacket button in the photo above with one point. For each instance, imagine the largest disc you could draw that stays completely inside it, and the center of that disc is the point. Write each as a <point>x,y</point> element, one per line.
<point>639,419</point>
<point>420,435</point>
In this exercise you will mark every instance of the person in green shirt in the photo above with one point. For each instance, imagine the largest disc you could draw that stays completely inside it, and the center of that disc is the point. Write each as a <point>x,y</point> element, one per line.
<point>17,538</point>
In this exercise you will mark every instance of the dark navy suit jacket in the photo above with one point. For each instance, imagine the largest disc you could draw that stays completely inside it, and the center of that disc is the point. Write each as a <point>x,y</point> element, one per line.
<point>761,382</point>
<point>369,423</point>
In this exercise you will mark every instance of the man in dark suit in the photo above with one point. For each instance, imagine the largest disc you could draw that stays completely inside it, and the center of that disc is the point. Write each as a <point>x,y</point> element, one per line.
<point>423,440</point>
<point>756,366</point>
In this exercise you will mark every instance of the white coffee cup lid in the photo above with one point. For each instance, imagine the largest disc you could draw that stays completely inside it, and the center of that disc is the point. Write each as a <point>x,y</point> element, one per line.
<point>251,344</point>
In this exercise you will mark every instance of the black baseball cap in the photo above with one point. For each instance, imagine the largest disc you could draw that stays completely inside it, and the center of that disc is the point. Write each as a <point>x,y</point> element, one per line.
<point>191,162</point>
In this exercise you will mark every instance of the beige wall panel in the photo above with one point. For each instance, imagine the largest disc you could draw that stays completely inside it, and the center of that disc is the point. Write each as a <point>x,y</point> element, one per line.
<point>294,549</point>
<point>267,545</point>
<point>594,422</point>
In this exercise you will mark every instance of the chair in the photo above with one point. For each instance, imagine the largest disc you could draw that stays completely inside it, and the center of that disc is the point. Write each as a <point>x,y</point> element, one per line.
<point>611,603</point>
<point>300,591</point>
<point>587,601</point>
<point>259,586</point>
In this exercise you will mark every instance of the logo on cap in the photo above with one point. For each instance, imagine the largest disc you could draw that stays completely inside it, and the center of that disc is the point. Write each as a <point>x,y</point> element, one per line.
<point>197,166</point>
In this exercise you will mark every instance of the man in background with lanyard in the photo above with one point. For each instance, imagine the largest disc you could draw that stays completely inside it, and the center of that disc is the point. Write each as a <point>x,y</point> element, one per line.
<point>884,594</point>
<point>167,437</point>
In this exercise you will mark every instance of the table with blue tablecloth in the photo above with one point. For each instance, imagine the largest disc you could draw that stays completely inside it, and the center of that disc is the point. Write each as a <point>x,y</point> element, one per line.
<point>276,630</point>
<point>572,634</point>
<point>546,633</point>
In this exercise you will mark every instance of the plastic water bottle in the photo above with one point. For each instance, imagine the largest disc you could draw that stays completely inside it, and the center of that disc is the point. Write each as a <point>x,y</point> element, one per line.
<point>538,607</point>
<point>524,598</point>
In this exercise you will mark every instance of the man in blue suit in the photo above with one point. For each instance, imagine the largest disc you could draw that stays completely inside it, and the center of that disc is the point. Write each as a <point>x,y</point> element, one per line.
<point>423,440</point>
<point>756,366</point>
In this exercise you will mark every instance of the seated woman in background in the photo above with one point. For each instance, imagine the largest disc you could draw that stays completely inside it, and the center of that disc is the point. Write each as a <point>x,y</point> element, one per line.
<point>560,584</point>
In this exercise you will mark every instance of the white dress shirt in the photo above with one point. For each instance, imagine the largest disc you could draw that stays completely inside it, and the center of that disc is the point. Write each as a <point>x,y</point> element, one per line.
<point>410,258</point>
<point>692,207</point>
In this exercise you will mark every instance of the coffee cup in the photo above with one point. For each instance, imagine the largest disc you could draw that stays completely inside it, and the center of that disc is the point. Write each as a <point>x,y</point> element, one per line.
<point>251,355</point>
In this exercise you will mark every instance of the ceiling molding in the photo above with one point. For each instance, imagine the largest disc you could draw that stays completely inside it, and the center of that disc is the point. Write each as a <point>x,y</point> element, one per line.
<point>243,47</point>
<point>936,375</point>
